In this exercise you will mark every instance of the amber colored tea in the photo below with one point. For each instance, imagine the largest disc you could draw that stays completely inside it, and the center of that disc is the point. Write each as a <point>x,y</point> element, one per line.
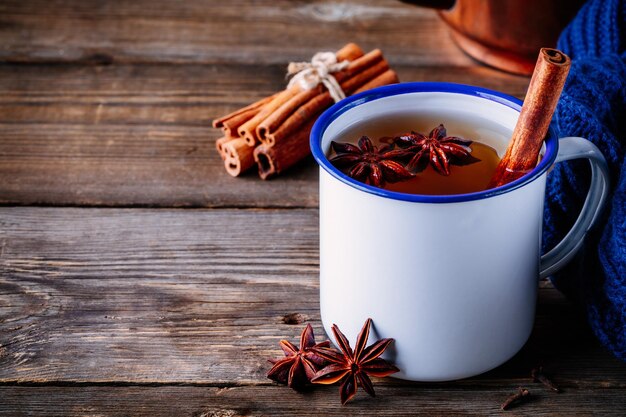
<point>463,179</point>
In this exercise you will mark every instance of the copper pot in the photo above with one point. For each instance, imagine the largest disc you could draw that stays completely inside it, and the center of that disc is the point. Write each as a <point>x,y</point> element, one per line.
<point>505,34</point>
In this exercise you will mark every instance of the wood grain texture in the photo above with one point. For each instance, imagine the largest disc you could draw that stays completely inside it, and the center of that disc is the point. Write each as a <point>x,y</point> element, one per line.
<point>140,135</point>
<point>127,296</point>
<point>205,31</point>
<point>391,400</point>
<point>167,312</point>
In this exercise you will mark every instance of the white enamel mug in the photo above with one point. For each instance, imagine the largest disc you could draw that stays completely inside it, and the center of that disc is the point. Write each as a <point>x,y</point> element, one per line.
<point>452,278</point>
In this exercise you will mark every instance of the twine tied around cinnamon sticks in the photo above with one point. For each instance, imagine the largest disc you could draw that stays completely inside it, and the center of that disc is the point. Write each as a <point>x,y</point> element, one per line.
<point>273,132</point>
<point>310,74</point>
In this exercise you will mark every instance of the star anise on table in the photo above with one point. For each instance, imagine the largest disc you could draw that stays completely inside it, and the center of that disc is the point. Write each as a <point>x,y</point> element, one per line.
<point>353,368</point>
<point>368,163</point>
<point>438,149</point>
<point>300,363</point>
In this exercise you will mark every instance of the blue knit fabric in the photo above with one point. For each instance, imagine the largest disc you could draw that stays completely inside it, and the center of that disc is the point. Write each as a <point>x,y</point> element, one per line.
<point>593,105</point>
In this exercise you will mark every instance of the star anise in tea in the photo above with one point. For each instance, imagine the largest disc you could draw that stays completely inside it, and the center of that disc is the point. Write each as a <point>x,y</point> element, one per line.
<point>353,368</point>
<point>438,149</point>
<point>369,163</point>
<point>300,364</point>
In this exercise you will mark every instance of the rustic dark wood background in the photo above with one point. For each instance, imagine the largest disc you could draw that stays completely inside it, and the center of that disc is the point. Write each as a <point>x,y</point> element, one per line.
<point>137,278</point>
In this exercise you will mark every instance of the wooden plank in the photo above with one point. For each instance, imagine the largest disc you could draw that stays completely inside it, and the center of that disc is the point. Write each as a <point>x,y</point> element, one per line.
<point>139,135</point>
<point>411,400</point>
<point>205,31</point>
<point>134,166</point>
<point>114,296</point>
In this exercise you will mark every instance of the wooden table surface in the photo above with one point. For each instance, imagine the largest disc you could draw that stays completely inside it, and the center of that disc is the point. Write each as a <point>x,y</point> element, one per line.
<point>138,278</point>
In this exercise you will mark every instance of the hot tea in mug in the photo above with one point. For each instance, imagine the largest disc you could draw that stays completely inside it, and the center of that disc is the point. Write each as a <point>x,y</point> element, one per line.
<point>444,154</point>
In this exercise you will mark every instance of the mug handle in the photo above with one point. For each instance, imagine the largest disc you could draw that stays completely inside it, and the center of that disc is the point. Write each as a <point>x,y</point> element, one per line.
<point>562,253</point>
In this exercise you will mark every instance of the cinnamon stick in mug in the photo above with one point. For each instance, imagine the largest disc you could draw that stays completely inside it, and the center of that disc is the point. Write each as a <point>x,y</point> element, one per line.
<point>532,126</point>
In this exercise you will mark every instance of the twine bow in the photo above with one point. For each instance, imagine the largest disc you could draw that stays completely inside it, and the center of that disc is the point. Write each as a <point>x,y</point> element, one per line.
<point>309,74</point>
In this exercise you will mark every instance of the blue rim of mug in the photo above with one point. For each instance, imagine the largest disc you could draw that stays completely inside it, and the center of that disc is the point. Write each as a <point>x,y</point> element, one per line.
<point>322,123</point>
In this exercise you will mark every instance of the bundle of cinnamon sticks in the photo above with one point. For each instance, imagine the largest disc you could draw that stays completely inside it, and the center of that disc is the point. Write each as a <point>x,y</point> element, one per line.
<point>273,133</point>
